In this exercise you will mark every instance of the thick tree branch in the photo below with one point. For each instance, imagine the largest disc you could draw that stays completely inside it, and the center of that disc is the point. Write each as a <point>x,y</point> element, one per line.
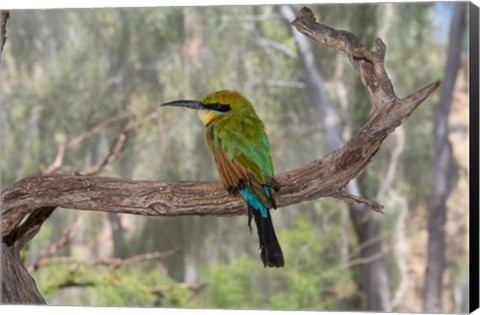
<point>369,65</point>
<point>320,178</point>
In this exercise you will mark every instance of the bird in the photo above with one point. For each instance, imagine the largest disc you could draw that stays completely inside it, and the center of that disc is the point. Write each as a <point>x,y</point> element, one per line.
<point>237,139</point>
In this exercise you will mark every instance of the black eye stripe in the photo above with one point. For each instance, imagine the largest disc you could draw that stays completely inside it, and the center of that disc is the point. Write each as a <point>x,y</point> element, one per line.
<point>218,107</point>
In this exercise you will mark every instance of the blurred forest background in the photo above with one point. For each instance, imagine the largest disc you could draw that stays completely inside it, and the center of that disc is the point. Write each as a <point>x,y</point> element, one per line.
<point>84,80</point>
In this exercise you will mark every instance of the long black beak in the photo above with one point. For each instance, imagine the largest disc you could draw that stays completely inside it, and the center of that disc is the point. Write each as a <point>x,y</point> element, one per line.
<point>189,104</point>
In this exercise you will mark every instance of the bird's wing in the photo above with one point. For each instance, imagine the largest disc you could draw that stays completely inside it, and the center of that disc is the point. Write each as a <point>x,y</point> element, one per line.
<point>243,157</point>
<point>232,173</point>
<point>248,144</point>
<point>236,178</point>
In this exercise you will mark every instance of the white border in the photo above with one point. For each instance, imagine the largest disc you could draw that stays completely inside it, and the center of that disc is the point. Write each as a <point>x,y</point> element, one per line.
<point>57,4</point>
<point>74,310</point>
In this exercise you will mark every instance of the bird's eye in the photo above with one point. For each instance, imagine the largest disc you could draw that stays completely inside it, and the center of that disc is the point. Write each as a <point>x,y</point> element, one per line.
<point>219,107</point>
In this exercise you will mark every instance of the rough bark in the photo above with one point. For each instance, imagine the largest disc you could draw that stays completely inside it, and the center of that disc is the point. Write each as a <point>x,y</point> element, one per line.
<point>443,164</point>
<point>33,197</point>
<point>4,15</point>
<point>18,287</point>
<point>374,278</point>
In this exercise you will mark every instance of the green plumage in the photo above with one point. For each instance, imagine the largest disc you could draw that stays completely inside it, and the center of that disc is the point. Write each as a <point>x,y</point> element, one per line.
<point>240,134</point>
<point>237,139</point>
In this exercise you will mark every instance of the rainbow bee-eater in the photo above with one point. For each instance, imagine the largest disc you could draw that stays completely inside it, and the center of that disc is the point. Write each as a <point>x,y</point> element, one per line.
<point>237,139</point>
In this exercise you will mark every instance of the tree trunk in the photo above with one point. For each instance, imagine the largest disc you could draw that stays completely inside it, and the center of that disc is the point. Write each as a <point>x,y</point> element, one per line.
<point>374,274</point>
<point>17,284</point>
<point>120,248</point>
<point>443,165</point>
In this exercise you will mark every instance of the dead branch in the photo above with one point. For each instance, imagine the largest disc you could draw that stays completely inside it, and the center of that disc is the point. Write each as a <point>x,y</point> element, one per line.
<point>369,65</point>
<point>115,152</point>
<point>362,260</point>
<point>118,145</point>
<point>63,147</point>
<point>96,130</point>
<point>66,237</point>
<point>57,163</point>
<point>111,263</point>
<point>193,287</point>
<point>320,178</point>
<point>116,148</point>
<point>355,200</point>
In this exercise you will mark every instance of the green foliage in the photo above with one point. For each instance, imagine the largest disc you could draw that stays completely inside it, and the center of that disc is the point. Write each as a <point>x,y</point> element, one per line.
<point>130,285</point>
<point>230,285</point>
<point>311,280</point>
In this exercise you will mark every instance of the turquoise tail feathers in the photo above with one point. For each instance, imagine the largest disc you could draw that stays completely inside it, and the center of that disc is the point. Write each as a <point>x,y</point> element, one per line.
<point>253,201</point>
<point>270,250</point>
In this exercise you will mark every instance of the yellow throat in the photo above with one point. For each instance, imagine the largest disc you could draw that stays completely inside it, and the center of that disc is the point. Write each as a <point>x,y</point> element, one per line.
<point>207,116</point>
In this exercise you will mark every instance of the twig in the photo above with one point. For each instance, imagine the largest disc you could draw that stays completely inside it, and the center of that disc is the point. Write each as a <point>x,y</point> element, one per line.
<point>362,260</point>
<point>63,147</point>
<point>143,257</point>
<point>194,287</point>
<point>354,200</point>
<point>358,261</point>
<point>367,243</point>
<point>116,150</point>
<point>66,237</point>
<point>111,263</point>
<point>58,160</point>
<point>72,283</point>
<point>95,130</point>
<point>118,145</point>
